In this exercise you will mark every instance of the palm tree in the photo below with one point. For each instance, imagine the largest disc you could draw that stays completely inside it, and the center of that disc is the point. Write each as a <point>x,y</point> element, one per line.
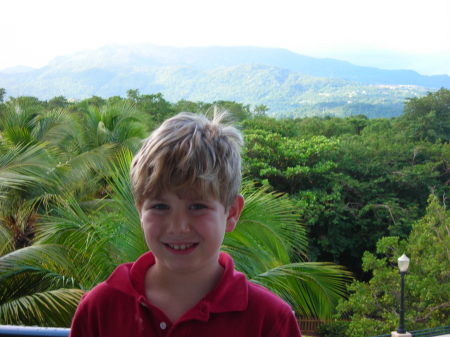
<point>117,123</point>
<point>45,162</point>
<point>30,276</point>
<point>24,173</point>
<point>45,155</point>
<point>33,166</point>
<point>34,287</point>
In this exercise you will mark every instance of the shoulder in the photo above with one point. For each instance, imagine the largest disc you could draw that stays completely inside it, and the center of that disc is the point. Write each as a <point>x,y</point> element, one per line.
<point>274,314</point>
<point>236,288</point>
<point>260,311</point>
<point>116,287</point>
<point>261,296</point>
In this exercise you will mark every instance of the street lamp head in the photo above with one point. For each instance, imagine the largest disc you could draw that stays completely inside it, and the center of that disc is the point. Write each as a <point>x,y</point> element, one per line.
<point>403,263</point>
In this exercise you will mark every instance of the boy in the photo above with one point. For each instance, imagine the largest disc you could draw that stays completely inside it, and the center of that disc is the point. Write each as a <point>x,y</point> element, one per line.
<point>185,180</point>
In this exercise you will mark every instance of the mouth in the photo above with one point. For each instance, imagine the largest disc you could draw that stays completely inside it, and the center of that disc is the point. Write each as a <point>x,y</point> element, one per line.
<point>181,247</point>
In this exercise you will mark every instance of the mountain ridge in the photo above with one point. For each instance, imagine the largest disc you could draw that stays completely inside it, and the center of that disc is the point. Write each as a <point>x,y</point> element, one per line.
<point>288,83</point>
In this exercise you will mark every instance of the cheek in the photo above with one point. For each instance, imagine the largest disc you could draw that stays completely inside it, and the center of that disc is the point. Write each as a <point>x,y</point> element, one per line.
<point>214,227</point>
<point>148,226</point>
<point>151,235</point>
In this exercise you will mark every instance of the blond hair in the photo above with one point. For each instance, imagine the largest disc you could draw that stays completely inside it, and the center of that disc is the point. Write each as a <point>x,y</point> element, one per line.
<point>189,151</point>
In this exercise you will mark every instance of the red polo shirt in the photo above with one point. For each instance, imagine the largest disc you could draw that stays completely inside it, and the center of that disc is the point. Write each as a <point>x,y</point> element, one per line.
<point>235,307</point>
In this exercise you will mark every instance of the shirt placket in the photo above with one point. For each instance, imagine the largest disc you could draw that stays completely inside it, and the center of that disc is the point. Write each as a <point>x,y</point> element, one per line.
<point>164,327</point>
<point>156,318</point>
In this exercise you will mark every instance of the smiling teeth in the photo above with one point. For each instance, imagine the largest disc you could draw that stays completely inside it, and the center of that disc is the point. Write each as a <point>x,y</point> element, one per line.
<point>181,247</point>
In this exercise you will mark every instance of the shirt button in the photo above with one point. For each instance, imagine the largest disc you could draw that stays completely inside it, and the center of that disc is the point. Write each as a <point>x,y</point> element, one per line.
<point>163,325</point>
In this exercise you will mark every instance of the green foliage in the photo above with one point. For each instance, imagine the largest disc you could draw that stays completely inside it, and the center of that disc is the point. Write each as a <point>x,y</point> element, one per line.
<point>2,94</point>
<point>283,127</point>
<point>287,164</point>
<point>119,123</point>
<point>428,117</point>
<point>188,106</point>
<point>266,242</point>
<point>347,184</point>
<point>35,288</point>
<point>92,101</point>
<point>238,111</point>
<point>155,105</point>
<point>58,102</point>
<point>78,244</point>
<point>354,180</point>
<point>260,110</point>
<point>333,329</point>
<point>331,126</point>
<point>373,306</point>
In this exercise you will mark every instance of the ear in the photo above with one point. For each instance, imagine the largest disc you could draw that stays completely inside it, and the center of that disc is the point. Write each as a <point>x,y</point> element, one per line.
<point>234,212</point>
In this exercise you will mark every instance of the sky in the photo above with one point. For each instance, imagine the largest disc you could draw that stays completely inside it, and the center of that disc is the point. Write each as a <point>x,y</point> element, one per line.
<point>384,33</point>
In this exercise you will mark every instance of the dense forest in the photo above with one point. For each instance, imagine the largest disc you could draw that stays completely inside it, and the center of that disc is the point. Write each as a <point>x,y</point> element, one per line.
<point>328,198</point>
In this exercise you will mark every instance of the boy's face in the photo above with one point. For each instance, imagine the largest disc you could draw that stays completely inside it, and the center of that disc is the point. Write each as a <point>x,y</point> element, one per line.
<point>185,230</point>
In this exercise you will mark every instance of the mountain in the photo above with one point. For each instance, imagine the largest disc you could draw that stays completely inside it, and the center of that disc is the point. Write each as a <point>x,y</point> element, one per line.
<point>288,83</point>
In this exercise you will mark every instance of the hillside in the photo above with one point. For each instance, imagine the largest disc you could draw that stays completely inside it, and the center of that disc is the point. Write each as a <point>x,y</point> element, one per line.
<point>289,84</point>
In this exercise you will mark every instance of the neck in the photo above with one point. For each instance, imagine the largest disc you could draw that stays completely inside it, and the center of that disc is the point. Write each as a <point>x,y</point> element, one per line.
<point>199,283</point>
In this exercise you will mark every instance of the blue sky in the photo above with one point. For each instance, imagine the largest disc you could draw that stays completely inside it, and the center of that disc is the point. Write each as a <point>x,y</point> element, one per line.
<point>385,33</point>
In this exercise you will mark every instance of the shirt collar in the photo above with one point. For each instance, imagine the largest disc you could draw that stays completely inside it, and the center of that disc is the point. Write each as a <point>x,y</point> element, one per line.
<point>230,294</point>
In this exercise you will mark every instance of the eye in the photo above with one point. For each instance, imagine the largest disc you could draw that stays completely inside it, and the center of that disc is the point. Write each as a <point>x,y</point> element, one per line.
<point>159,206</point>
<point>197,207</point>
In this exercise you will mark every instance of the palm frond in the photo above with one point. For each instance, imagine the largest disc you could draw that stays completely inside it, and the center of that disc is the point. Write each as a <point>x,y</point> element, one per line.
<point>33,282</point>
<point>23,166</point>
<point>51,308</point>
<point>312,288</point>
<point>122,199</point>
<point>267,239</point>
<point>54,127</point>
<point>51,259</point>
<point>87,237</point>
<point>268,233</point>
<point>6,240</point>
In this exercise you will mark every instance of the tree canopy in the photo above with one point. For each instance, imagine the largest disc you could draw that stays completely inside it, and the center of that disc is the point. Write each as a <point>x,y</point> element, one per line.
<point>321,191</point>
<point>373,307</point>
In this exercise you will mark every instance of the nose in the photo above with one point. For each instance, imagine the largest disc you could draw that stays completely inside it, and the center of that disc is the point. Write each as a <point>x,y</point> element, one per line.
<point>178,223</point>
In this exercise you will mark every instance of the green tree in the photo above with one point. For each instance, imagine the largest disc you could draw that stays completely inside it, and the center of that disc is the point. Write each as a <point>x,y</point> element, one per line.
<point>114,100</point>
<point>94,100</point>
<point>58,102</point>
<point>50,154</point>
<point>428,117</point>
<point>24,174</point>
<point>2,94</point>
<point>375,184</point>
<point>119,124</point>
<point>373,306</point>
<point>288,164</point>
<point>283,127</point>
<point>156,106</point>
<point>189,106</point>
<point>237,111</point>
<point>133,95</point>
<point>260,110</point>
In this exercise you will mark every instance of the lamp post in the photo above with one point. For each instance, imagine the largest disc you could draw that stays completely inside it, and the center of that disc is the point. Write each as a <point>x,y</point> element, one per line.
<point>403,264</point>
